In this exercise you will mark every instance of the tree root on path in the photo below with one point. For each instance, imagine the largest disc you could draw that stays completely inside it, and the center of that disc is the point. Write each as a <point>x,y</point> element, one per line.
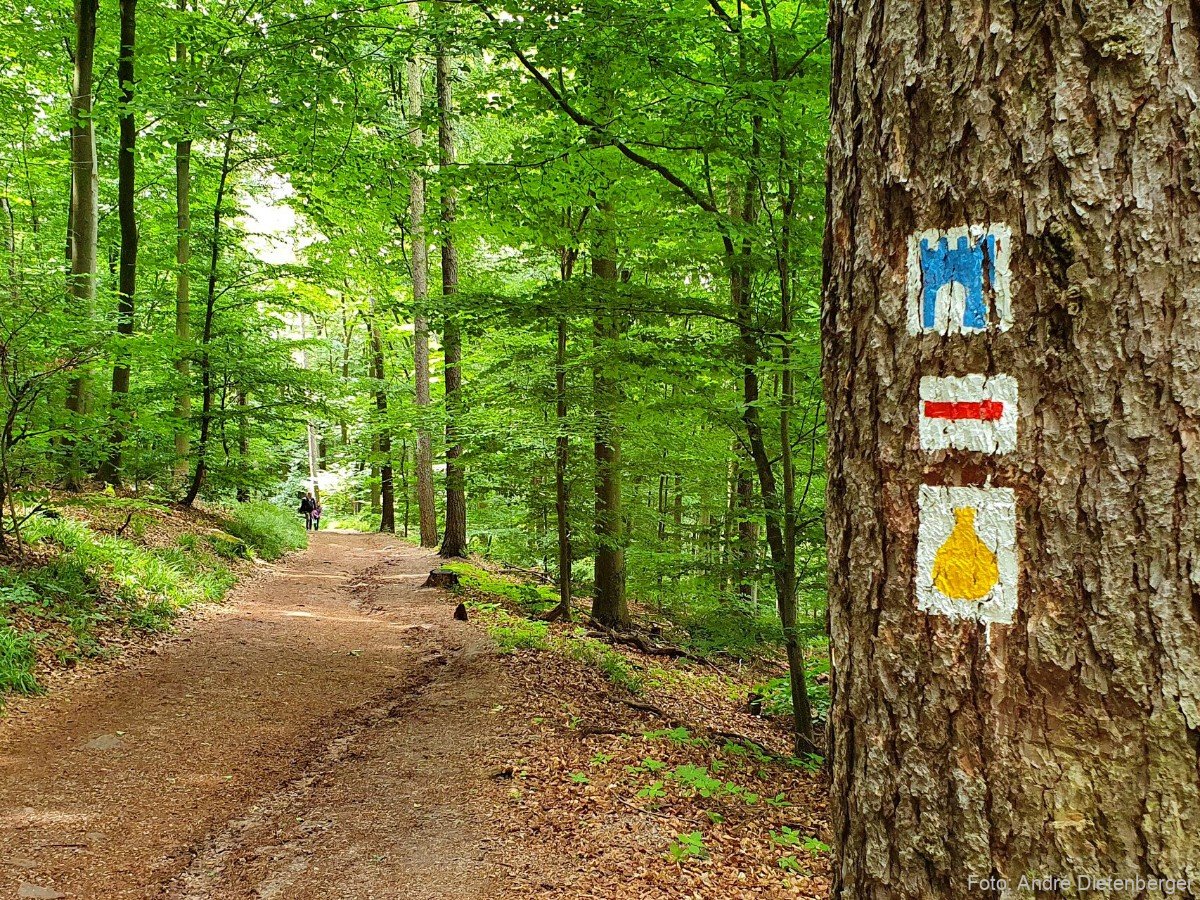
<point>803,744</point>
<point>639,643</point>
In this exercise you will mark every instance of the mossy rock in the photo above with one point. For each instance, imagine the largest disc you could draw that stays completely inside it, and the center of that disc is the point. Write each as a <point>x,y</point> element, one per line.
<point>227,546</point>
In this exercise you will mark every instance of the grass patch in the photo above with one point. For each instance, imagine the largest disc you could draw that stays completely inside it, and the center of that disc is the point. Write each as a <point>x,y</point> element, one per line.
<point>506,619</point>
<point>269,530</point>
<point>364,520</point>
<point>519,634</point>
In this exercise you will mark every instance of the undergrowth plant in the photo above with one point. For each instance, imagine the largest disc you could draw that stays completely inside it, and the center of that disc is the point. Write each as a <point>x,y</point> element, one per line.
<point>17,660</point>
<point>269,529</point>
<point>87,584</point>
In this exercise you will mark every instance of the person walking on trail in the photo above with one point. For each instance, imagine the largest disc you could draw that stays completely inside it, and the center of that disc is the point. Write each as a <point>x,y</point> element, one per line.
<point>307,506</point>
<point>316,515</point>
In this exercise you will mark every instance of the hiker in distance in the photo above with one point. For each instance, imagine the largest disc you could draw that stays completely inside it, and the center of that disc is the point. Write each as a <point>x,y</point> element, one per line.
<point>308,507</point>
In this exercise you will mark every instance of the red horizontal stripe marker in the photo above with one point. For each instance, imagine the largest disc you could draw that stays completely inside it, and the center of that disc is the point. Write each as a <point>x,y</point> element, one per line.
<point>984,410</point>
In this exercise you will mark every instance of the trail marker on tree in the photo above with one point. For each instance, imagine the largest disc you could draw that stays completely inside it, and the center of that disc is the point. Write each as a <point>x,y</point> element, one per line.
<point>967,536</point>
<point>975,412</point>
<point>958,280</point>
<point>966,553</point>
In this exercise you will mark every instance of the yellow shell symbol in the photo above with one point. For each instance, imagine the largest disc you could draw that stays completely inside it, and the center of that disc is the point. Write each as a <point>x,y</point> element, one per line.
<point>965,567</point>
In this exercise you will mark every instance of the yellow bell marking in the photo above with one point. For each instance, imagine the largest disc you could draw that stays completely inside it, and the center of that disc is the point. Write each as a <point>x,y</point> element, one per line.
<point>965,568</point>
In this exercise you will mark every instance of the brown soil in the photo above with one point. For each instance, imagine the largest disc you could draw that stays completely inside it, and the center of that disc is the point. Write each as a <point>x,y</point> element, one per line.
<point>331,732</point>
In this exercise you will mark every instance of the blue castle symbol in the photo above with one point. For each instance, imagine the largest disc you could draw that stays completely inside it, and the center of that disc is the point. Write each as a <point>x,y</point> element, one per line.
<point>943,267</point>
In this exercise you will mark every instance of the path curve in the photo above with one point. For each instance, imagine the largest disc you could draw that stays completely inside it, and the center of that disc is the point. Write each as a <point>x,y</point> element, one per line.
<point>328,733</point>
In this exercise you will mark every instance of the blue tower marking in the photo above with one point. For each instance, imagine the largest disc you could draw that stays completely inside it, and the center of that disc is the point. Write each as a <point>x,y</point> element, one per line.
<point>941,265</point>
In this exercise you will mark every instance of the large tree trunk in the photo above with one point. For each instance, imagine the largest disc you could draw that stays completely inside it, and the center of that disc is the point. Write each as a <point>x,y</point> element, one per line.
<point>183,285</point>
<point>426,501</point>
<point>454,538</point>
<point>609,606</point>
<point>1063,742</point>
<point>85,200</point>
<point>110,470</point>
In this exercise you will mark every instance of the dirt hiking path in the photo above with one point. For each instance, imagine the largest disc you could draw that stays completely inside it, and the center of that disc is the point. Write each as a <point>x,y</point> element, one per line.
<point>330,732</point>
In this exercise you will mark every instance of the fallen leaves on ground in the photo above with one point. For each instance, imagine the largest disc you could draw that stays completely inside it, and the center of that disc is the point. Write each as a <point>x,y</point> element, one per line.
<point>635,806</point>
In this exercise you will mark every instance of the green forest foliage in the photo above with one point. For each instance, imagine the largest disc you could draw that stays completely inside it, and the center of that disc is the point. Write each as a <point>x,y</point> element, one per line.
<point>683,142</point>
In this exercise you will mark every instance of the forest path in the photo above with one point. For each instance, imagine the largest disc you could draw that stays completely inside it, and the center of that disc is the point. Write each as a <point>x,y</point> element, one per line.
<point>329,732</point>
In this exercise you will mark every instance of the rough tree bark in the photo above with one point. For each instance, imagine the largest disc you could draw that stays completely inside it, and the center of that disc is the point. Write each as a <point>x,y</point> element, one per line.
<point>85,201</point>
<point>110,469</point>
<point>426,501</point>
<point>1065,743</point>
<point>454,538</point>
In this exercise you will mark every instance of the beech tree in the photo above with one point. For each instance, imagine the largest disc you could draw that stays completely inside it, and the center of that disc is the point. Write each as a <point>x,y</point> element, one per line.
<point>1012,198</point>
<point>110,469</point>
<point>454,538</point>
<point>84,214</point>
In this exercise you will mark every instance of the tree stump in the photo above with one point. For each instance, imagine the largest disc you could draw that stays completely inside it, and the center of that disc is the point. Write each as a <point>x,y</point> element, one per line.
<point>441,578</point>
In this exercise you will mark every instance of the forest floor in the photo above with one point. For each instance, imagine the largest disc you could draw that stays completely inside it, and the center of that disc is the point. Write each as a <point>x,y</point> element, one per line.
<point>333,731</point>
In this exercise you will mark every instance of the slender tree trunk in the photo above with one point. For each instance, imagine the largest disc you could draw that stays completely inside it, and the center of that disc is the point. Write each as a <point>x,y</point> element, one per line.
<point>375,491</point>
<point>387,489</point>
<point>677,516</point>
<point>454,538</point>
<point>347,337</point>
<point>210,304</point>
<point>609,606</point>
<point>775,511</point>
<point>110,470</point>
<point>405,487</point>
<point>746,547</point>
<point>562,492</point>
<point>426,500</point>
<point>243,402</point>
<point>183,285</point>
<point>1050,728</point>
<point>84,214</point>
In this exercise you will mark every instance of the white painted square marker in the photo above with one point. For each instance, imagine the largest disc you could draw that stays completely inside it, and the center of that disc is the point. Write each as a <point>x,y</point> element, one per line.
<point>967,553</point>
<point>952,274</point>
<point>975,412</point>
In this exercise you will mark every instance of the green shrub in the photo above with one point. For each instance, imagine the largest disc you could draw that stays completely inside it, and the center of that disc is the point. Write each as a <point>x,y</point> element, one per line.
<point>269,530</point>
<point>17,659</point>
<point>687,846</point>
<point>776,694</point>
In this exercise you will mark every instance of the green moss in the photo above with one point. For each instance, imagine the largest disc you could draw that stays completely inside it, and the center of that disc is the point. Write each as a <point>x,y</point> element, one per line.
<point>534,599</point>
